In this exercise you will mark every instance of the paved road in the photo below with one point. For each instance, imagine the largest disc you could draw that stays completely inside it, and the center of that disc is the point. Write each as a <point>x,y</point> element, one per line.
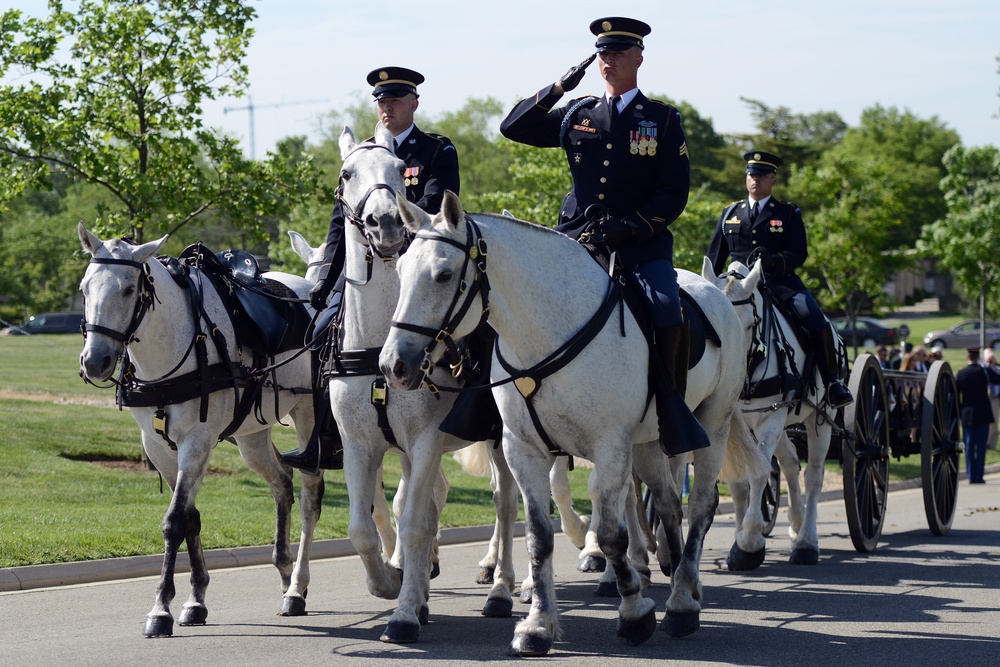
<point>917,600</point>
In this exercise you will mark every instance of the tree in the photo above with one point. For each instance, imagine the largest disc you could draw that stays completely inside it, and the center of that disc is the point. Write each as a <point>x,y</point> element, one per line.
<point>965,240</point>
<point>913,148</point>
<point>111,94</point>
<point>859,209</point>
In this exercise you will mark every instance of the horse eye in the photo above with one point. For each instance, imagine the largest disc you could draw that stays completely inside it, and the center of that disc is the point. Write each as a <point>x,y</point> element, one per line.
<point>345,175</point>
<point>130,290</point>
<point>443,277</point>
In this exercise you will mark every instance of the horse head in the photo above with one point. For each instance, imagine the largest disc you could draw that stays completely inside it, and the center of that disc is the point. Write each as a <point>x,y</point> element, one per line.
<point>442,291</point>
<point>370,178</point>
<point>115,288</point>
<point>741,286</point>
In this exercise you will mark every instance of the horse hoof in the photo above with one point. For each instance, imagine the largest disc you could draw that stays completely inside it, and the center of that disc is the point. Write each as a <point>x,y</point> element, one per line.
<point>526,596</point>
<point>425,615</point>
<point>681,623</point>
<point>398,632</point>
<point>592,564</point>
<point>196,615</point>
<point>158,626</point>
<point>498,608</point>
<point>528,646</point>
<point>485,576</point>
<point>293,605</point>
<point>633,633</point>
<point>803,556</point>
<point>739,560</point>
<point>606,589</point>
<point>435,570</point>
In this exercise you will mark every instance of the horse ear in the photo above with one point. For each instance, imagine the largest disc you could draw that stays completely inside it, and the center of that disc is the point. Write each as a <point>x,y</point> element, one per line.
<point>451,209</point>
<point>750,282</point>
<point>347,142</point>
<point>414,218</point>
<point>708,273</point>
<point>301,246</point>
<point>146,250</point>
<point>383,137</point>
<point>89,242</point>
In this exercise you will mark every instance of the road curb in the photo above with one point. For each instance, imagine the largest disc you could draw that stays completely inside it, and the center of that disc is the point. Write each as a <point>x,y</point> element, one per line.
<point>30,577</point>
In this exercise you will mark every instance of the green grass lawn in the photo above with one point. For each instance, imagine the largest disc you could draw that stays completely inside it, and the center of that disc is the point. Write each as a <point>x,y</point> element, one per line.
<point>57,504</point>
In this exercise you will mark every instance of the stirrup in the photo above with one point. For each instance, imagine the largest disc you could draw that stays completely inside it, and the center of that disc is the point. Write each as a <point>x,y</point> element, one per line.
<point>838,395</point>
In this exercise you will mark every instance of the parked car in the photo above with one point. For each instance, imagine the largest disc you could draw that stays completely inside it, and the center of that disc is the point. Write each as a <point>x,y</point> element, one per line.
<point>47,323</point>
<point>867,332</point>
<point>964,335</point>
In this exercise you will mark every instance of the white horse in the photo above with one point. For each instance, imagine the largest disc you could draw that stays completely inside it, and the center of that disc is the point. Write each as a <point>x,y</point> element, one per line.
<point>542,287</point>
<point>133,305</point>
<point>769,333</point>
<point>313,258</point>
<point>371,180</point>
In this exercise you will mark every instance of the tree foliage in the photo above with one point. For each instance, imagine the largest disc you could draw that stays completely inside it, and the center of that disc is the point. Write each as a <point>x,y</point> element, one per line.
<point>849,231</point>
<point>966,239</point>
<point>111,93</point>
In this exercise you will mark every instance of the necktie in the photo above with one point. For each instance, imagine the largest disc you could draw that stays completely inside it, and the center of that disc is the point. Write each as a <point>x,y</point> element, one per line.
<point>753,213</point>
<point>614,108</point>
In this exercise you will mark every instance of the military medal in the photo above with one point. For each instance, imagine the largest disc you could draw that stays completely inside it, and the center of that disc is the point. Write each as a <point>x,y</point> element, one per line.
<point>410,175</point>
<point>777,226</point>
<point>646,136</point>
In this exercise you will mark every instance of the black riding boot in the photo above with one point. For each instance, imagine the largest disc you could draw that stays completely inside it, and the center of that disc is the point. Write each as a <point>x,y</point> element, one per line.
<point>680,431</point>
<point>324,451</point>
<point>825,349</point>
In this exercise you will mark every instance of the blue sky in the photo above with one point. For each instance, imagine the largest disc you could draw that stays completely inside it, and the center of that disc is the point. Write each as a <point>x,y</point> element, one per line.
<point>932,58</point>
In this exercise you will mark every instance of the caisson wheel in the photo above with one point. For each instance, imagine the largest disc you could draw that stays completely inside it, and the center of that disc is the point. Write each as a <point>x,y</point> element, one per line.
<point>866,454</point>
<point>940,447</point>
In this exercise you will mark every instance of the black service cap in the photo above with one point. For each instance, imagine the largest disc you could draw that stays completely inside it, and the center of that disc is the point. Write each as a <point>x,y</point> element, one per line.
<point>394,82</point>
<point>617,33</point>
<point>759,162</point>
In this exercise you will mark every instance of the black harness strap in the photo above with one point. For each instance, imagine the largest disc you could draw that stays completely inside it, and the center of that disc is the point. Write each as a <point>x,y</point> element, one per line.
<point>529,381</point>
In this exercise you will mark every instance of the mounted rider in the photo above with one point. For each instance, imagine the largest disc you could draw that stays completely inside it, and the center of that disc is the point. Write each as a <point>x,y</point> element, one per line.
<point>627,153</point>
<point>772,230</point>
<point>431,168</point>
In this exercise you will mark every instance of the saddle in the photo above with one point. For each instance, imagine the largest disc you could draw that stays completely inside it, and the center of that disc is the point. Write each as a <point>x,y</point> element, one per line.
<point>793,377</point>
<point>267,315</point>
<point>701,329</point>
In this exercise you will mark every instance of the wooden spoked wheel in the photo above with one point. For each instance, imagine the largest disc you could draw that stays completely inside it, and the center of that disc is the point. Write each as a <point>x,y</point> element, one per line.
<point>940,447</point>
<point>865,452</point>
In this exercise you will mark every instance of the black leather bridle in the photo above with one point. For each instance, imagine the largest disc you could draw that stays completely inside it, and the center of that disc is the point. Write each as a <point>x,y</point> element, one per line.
<point>475,253</point>
<point>355,214</point>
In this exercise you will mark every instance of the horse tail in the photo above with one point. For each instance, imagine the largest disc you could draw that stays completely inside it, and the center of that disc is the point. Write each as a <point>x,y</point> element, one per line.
<point>475,459</point>
<point>744,459</point>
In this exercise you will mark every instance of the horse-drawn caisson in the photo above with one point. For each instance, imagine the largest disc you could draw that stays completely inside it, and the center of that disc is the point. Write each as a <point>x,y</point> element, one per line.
<point>894,414</point>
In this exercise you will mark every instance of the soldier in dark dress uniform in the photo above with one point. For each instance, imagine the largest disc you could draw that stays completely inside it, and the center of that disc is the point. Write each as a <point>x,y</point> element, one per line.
<point>761,226</point>
<point>627,153</point>
<point>431,168</point>
<point>976,413</point>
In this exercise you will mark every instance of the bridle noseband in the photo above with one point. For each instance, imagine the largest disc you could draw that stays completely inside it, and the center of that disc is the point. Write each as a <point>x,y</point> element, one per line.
<point>475,252</point>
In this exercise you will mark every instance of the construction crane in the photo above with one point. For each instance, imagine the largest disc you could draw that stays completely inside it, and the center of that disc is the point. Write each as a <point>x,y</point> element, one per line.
<point>250,107</point>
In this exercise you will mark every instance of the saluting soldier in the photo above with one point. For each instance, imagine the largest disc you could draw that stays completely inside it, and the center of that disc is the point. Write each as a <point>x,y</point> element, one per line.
<point>627,153</point>
<point>762,226</point>
<point>431,168</point>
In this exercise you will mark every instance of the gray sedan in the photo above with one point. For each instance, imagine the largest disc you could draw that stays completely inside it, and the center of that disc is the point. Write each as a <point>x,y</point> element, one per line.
<point>964,335</point>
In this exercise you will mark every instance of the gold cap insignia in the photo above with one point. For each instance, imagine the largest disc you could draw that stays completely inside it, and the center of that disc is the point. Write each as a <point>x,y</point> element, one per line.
<point>383,75</point>
<point>606,26</point>
<point>756,156</point>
